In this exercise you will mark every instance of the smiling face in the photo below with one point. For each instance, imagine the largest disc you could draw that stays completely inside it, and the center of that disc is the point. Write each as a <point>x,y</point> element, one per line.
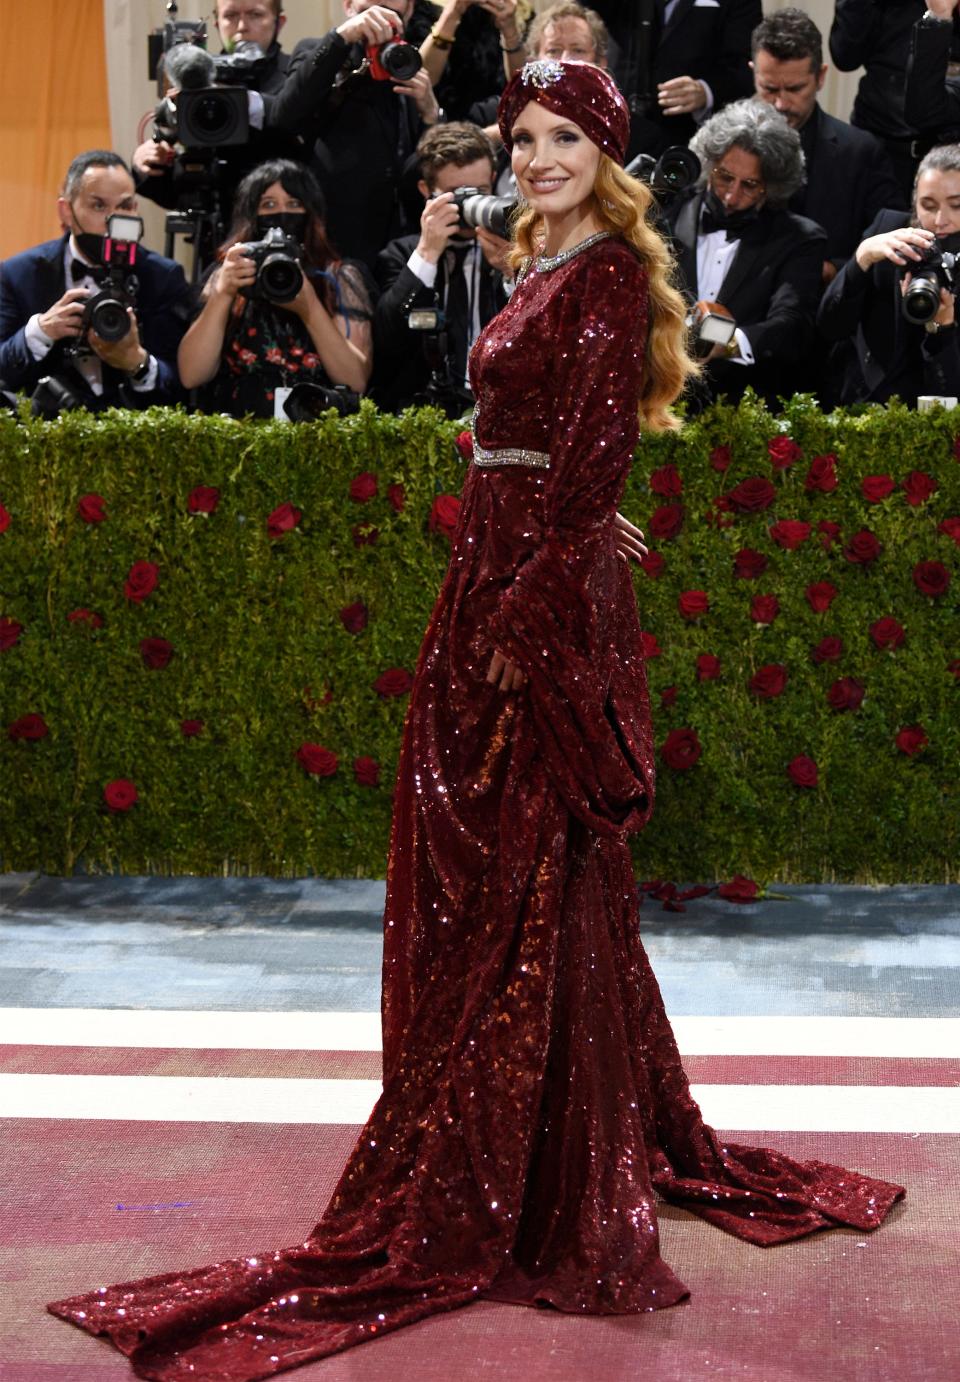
<point>554,162</point>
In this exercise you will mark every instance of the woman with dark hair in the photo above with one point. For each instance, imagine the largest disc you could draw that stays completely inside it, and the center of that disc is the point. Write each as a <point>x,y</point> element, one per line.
<point>243,347</point>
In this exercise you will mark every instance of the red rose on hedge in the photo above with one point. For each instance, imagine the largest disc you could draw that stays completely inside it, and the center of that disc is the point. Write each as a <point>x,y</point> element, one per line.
<point>753,495</point>
<point>954,668</point>
<point>203,499</point>
<point>444,515</point>
<point>693,603</point>
<point>830,531</point>
<point>708,667</point>
<point>316,760</point>
<point>120,794</point>
<point>395,681</point>
<point>822,474</point>
<point>85,616</point>
<point>363,487</point>
<point>364,536</point>
<point>769,681</point>
<point>666,481</point>
<point>653,564</point>
<point>875,488</point>
<point>887,632</point>
<point>803,771</point>
<point>283,520</point>
<point>29,727</point>
<point>918,487</point>
<point>141,580</point>
<point>829,649</point>
<point>681,749</point>
<point>354,617</point>
<point>846,693</point>
<point>92,508</point>
<point>668,697</point>
<point>783,451</point>
<point>820,596</point>
<point>720,458</point>
<point>911,739</point>
<point>191,728</point>
<point>666,522</point>
<point>10,631</point>
<point>649,645</point>
<point>931,578</point>
<point>789,533</point>
<point>739,889</point>
<point>4,519</point>
<point>366,771</point>
<point>764,609</point>
<point>464,445</point>
<point>862,548</point>
<point>950,527</point>
<point>398,497</point>
<point>156,652</point>
<point>748,564</point>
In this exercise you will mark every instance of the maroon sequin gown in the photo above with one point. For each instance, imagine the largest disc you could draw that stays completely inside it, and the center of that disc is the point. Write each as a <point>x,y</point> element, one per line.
<point>533,1097</point>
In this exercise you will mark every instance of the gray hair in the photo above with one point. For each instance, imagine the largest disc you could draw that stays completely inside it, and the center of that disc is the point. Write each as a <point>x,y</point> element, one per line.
<point>757,128</point>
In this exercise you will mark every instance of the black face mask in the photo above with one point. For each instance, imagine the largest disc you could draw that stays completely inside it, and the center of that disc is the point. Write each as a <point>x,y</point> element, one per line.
<point>90,246</point>
<point>733,219</point>
<point>290,222</point>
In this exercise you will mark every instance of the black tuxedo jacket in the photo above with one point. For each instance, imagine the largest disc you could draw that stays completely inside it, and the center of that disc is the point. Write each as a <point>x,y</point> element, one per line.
<point>401,370</point>
<point>772,288</point>
<point>889,355</point>
<point>34,280</point>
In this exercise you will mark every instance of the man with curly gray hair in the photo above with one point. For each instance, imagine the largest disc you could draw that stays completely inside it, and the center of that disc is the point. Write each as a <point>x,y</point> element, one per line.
<point>742,255</point>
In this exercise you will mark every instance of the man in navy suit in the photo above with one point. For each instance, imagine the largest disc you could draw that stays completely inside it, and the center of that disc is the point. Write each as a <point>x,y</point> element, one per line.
<point>43,292</point>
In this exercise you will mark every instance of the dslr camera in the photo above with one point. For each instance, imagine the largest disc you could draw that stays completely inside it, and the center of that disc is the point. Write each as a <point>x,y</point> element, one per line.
<point>396,61</point>
<point>476,208</point>
<point>936,269</point>
<point>106,312</point>
<point>279,272</point>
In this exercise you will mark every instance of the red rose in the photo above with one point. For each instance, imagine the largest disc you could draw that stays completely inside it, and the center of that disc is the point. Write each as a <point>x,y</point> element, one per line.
<point>954,668</point>
<point>464,445</point>
<point>668,697</point>
<point>918,487</point>
<point>283,520</point>
<point>803,771</point>
<point>830,531</point>
<point>203,499</point>
<point>708,667</point>
<point>769,681</point>
<point>85,616</point>
<point>395,681</point>
<point>862,548</point>
<point>10,631</point>
<point>666,522</point>
<point>156,652</point>
<point>363,487</point>
<point>846,693</point>
<point>828,650</point>
<point>720,458</point>
<point>653,564</point>
<point>822,474</point>
<point>4,519</point>
<point>364,535</point>
<point>316,760</point>
<point>950,527</point>
<point>956,448</point>
<point>820,596</point>
<point>666,481</point>
<point>739,889</point>
<point>931,578</point>
<point>120,794</point>
<point>693,603</point>
<point>876,488</point>
<point>444,515</point>
<point>748,564</point>
<point>141,580</point>
<point>649,645</point>
<point>911,739</point>
<point>398,497</point>
<point>764,609</point>
<point>753,495</point>
<point>191,728</point>
<point>783,451</point>
<point>354,617</point>
<point>28,727</point>
<point>90,508</point>
<point>788,533</point>
<point>681,749</point>
<point>887,632</point>
<point>366,771</point>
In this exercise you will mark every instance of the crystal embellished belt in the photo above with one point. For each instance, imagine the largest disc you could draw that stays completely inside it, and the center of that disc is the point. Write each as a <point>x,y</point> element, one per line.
<point>508,455</point>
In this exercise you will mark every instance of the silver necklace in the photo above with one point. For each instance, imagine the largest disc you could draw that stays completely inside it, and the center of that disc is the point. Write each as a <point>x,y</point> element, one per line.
<point>545,262</point>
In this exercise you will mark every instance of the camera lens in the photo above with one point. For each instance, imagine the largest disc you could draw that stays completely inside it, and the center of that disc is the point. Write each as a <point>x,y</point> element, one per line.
<point>401,60</point>
<point>280,278</point>
<point>921,300</point>
<point>109,320</point>
<point>214,118</point>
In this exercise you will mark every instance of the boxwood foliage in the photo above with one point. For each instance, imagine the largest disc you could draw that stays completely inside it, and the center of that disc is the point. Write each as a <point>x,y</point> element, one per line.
<point>261,661</point>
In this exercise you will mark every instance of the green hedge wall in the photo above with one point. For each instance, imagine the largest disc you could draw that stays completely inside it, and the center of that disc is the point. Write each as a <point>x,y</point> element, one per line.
<point>263,738</point>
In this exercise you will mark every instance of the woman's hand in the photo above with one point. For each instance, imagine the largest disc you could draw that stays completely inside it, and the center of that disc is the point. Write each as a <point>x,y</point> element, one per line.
<point>946,312</point>
<point>507,673</point>
<point>306,303</point>
<point>630,546</point>
<point>238,271</point>
<point>899,246</point>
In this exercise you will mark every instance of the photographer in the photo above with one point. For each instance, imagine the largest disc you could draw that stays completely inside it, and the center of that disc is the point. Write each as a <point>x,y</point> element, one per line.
<point>248,344</point>
<point>448,269</point>
<point>871,301</point>
<point>44,293</point>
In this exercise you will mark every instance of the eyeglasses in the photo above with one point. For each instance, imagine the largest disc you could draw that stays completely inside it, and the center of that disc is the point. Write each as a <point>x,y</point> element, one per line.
<point>725,182</point>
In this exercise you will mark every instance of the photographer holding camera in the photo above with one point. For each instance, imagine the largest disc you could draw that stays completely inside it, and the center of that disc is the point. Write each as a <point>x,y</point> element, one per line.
<point>892,307</point>
<point>143,302</point>
<point>279,309</point>
<point>441,287</point>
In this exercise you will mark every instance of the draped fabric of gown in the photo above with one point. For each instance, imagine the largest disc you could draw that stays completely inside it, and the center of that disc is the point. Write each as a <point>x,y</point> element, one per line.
<point>533,1098</point>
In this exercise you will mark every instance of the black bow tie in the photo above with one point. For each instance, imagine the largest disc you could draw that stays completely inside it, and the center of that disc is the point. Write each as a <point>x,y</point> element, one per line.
<point>710,221</point>
<point>80,270</point>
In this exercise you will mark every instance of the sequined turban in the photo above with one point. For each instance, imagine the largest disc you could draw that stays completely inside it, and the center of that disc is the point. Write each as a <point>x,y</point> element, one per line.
<point>576,90</point>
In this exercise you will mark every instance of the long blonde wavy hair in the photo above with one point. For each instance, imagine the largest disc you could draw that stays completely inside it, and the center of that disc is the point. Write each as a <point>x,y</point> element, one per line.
<point>624,206</point>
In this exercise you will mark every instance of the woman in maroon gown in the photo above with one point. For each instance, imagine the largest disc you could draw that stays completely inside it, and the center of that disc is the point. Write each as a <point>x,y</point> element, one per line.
<point>533,1100</point>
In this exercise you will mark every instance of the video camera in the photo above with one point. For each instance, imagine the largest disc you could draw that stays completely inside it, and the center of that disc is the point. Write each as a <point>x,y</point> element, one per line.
<point>202,115</point>
<point>936,269</point>
<point>279,274</point>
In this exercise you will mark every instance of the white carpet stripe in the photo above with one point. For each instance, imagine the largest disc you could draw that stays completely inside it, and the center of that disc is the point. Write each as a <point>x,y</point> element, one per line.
<point>911,1038</point>
<point>775,1108</point>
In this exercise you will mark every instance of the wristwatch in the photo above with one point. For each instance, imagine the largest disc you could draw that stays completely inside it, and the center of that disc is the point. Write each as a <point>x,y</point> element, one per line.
<point>138,375</point>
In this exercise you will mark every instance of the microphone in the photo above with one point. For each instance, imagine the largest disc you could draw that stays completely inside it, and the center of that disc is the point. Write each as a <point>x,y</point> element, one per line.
<point>188,68</point>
